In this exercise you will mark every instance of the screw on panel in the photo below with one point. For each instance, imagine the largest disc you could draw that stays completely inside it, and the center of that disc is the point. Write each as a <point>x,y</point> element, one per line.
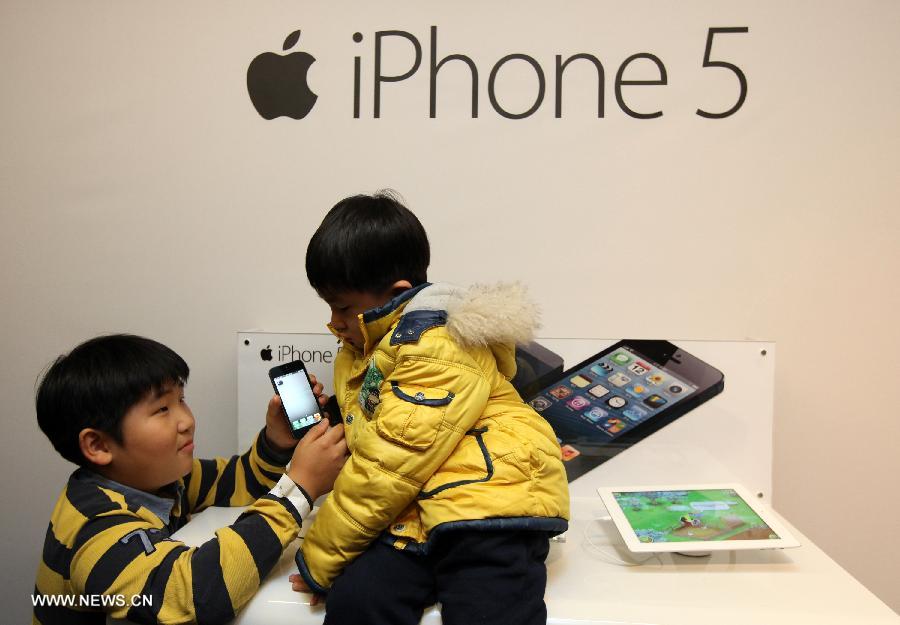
<point>246,341</point>
<point>763,352</point>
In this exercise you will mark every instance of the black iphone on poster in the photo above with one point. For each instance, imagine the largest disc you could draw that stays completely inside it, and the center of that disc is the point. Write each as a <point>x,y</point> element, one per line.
<point>620,396</point>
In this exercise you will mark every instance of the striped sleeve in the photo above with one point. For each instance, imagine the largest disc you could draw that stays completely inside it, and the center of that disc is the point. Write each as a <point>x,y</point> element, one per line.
<point>123,555</point>
<point>236,481</point>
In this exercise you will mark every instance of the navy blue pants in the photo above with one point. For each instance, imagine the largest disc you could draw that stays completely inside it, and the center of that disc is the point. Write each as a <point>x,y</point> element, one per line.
<point>493,577</point>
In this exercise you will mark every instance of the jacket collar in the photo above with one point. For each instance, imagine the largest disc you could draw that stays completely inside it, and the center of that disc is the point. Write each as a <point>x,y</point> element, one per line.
<point>393,305</point>
<point>160,506</point>
<point>376,322</point>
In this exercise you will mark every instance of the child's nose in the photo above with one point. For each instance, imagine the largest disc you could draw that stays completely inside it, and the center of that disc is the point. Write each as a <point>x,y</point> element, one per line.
<point>187,421</point>
<point>337,322</point>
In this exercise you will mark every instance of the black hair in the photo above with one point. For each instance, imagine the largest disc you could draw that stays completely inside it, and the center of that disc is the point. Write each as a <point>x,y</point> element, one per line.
<point>97,383</point>
<point>365,244</point>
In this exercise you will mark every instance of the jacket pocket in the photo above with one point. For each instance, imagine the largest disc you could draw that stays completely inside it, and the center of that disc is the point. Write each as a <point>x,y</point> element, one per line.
<point>478,433</point>
<point>415,422</point>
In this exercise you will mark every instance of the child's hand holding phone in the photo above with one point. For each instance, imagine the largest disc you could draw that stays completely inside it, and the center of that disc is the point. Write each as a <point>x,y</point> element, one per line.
<point>278,430</point>
<point>318,458</point>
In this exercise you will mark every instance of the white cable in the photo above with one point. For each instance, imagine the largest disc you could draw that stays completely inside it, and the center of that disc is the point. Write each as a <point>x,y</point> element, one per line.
<point>604,554</point>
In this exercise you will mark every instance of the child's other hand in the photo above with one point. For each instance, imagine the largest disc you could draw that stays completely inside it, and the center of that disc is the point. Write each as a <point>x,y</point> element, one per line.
<point>318,458</point>
<point>299,585</point>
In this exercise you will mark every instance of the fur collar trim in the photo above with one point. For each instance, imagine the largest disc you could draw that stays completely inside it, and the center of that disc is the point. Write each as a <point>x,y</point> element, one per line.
<point>482,314</point>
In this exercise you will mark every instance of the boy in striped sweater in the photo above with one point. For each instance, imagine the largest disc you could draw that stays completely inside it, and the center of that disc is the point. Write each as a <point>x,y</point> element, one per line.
<point>115,406</point>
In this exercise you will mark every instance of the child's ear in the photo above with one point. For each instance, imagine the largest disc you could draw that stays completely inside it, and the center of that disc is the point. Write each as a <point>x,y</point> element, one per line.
<point>95,446</point>
<point>399,286</point>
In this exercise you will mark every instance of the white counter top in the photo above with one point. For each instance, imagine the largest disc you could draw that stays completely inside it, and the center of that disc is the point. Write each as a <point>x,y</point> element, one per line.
<point>586,585</point>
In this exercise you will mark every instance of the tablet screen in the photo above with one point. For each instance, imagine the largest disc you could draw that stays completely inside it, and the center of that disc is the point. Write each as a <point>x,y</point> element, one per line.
<point>695,518</point>
<point>672,516</point>
<point>610,396</point>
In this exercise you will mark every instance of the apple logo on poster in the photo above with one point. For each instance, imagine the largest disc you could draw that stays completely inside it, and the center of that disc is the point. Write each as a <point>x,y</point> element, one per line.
<point>277,83</point>
<point>266,354</point>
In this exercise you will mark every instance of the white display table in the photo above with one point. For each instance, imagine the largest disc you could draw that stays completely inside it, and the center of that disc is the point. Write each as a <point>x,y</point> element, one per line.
<point>585,586</point>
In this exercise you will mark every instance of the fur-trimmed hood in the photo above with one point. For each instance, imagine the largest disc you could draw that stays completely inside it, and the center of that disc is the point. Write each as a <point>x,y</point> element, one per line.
<point>482,315</point>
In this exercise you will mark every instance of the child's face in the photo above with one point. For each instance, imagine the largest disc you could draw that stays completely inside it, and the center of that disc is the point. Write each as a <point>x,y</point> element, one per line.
<point>346,307</point>
<point>157,441</point>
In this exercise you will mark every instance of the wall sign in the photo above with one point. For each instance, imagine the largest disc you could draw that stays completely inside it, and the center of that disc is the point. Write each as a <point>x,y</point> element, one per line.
<point>278,85</point>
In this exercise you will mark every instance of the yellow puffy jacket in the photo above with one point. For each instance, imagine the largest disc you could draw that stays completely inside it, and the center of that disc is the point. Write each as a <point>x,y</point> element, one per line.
<point>439,437</point>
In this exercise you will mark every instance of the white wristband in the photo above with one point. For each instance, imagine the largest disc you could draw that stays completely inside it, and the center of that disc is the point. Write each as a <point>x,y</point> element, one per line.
<point>286,488</point>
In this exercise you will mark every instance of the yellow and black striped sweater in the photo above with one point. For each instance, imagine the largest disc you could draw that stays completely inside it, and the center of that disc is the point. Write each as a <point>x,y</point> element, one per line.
<point>108,544</point>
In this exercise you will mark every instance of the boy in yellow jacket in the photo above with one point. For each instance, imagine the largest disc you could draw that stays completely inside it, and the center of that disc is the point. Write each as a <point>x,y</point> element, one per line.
<point>454,485</point>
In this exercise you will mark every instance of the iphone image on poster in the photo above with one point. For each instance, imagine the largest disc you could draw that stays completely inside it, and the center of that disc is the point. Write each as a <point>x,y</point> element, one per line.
<point>621,395</point>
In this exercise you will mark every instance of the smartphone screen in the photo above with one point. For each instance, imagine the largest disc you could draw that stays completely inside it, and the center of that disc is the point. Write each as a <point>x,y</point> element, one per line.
<point>298,400</point>
<point>617,398</point>
<point>606,397</point>
<point>610,396</point>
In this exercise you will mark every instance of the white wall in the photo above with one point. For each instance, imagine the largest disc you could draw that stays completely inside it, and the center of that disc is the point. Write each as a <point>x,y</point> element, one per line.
<point>141,192</point>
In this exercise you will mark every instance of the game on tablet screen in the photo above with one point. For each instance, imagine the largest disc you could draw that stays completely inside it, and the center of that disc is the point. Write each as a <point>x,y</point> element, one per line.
<point>691,515</point>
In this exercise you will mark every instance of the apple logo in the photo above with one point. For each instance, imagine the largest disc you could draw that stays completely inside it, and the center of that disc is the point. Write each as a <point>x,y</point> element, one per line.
<point>277,83</point>
<point>266,354</point>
